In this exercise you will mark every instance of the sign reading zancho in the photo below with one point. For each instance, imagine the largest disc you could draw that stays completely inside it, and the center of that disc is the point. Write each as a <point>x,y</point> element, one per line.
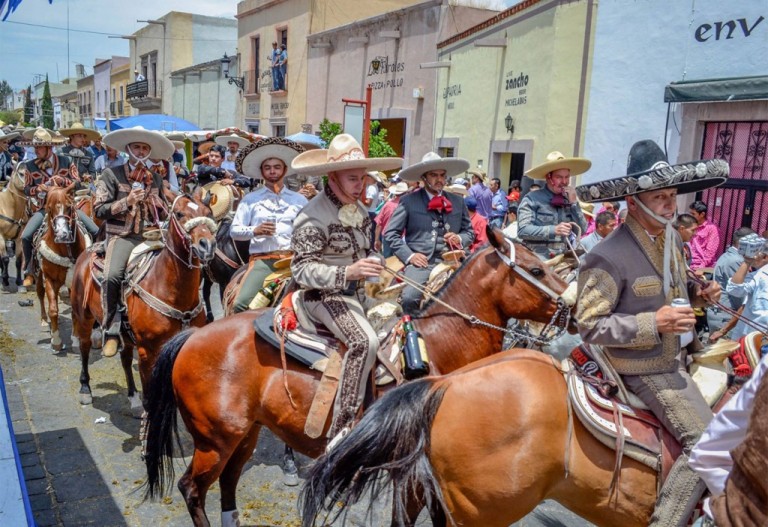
<point>518,83</point>
<point>382,66</point>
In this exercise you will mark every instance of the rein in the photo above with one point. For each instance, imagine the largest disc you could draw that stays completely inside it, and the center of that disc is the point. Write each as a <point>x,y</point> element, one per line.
<point>558,322</point>
<point>183,231</point>
<point>734,313</point>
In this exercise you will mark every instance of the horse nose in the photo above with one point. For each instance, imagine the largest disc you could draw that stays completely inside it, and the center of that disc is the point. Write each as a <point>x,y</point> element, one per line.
<point>206,249</point>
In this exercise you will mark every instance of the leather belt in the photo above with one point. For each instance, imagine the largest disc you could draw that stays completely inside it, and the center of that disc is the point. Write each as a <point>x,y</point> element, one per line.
<point>274,255</point>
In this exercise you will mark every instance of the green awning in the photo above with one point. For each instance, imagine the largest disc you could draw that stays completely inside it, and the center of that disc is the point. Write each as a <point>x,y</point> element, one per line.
<point>711,90</point>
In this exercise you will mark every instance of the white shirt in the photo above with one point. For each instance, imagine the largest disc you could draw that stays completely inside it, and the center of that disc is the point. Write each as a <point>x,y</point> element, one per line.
<point>229,161</point>
<point>755,289</point>
<point>711,457</point>
<point>263,205</point>
<point>372,194</point>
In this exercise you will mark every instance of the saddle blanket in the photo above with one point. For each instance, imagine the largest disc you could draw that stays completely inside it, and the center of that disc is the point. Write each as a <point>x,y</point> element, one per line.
<point>311,350</point>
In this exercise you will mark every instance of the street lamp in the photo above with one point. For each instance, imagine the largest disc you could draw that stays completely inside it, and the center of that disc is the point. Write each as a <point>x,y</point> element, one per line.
<point>237,81</point>
<point>509,123</point>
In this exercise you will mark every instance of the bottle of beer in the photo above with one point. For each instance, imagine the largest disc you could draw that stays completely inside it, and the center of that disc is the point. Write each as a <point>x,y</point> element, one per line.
<point>414,352</point>
<point>264,297</point>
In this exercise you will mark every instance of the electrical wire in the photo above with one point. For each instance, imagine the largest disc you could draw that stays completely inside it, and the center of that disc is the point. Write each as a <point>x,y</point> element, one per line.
<point>118,35</point>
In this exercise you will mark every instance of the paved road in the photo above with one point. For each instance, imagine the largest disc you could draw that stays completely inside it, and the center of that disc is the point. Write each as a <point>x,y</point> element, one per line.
<point>82,472</point>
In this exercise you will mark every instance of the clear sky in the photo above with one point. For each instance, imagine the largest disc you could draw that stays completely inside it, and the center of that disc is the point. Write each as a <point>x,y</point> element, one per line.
<point>27,50</point>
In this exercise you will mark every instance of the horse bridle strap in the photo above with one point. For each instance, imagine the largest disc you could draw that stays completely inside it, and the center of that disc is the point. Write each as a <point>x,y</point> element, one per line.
<point>525,275</point>
<point>165,309</point>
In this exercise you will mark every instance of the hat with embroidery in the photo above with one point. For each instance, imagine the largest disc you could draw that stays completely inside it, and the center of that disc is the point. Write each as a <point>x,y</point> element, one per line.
<point>648,169</point>
<point>251,156</point>
<point>343,153</point>
<point>41,137</point>
<point>556,161</point>
<point>224,140</point>
<point>78,128</point>
<point>161,147</point>
<point>453,166</point>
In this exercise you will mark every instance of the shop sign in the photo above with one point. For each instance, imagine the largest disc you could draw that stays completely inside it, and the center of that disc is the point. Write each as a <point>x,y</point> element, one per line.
<point>253,110</point>
<point>265,80</point>
<point>453,90</point>
<point>382,66</point>
<point>516,84</point>
<point>727,30</point>
<point>279,109</point>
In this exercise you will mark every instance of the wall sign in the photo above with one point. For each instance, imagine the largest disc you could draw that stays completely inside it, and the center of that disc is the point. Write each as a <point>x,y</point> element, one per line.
<point>253,109</point>
<point>382,66</point>
<point>726,30</point>
<point>517,86</point>
<point>279,109</point>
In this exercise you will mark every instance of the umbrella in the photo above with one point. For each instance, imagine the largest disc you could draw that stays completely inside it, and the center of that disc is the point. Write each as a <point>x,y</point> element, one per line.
<point>154,121</point>
<point>303,137</point>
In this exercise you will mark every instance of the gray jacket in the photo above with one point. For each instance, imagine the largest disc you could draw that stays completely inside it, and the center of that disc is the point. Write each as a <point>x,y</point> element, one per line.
<point>537,218</point>
<point>424,229</point>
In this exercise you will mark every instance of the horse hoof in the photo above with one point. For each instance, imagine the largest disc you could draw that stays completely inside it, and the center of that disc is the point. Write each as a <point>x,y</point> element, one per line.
<point>44,323</point>
<point>86,399</point>
<point>96,339</point>
<point>57,347</point>
<point>290,480</point>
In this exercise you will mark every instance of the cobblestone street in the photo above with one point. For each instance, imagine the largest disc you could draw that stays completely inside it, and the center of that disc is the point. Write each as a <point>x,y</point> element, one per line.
<point>81,471</point>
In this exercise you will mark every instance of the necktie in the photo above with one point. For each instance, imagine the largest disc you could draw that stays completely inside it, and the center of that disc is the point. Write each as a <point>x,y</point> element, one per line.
<point>440,204</point>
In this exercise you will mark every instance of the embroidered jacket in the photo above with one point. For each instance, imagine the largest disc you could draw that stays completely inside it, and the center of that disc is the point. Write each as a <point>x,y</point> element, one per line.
<point>111,203</point>
<point>34,176</point>
<point>82,157</point>
<point>323,247</point>
<point>620,290</point>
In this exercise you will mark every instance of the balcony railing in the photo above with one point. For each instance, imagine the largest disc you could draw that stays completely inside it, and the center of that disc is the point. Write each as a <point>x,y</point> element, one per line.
<point>120,108</point>
<point>112,109</point>
<point>142,89</point>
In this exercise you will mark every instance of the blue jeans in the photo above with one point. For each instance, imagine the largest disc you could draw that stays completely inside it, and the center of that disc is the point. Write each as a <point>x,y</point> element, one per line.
<point>275,78</point>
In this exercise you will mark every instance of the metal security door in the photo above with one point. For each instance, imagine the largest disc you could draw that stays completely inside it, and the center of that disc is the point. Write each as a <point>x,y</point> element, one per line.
<point>743,199</point>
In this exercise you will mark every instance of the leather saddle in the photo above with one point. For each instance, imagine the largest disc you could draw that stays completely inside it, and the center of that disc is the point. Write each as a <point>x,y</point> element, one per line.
<point>620,421</point>
<point>139,261</point>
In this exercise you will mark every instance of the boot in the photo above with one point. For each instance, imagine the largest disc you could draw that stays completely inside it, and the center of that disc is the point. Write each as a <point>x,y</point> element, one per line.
<point>110,347</point>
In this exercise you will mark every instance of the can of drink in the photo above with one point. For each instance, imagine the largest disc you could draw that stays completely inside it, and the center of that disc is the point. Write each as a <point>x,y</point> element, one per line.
<point>137,185</point>
<point>374,258</point>
<point>678,303</point>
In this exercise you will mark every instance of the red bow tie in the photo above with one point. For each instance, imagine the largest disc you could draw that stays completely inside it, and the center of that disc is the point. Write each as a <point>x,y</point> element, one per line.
<point>440,204</point>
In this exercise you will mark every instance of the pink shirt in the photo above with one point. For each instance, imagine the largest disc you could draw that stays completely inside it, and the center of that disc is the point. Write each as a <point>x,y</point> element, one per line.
<point>704,245</point>
<point>385,214</point>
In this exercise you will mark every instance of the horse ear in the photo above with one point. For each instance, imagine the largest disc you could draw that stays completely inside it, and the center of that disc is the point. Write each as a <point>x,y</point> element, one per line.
<point>495,237</point>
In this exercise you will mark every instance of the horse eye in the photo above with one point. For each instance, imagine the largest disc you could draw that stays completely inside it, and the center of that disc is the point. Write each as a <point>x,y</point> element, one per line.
<point>179,215</point>
<point>538,272</point>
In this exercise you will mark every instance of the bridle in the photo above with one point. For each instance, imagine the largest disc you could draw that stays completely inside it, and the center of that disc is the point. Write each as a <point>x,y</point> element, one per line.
<point>183,230</point>
<point>552,330</point>
<point>69,220</point>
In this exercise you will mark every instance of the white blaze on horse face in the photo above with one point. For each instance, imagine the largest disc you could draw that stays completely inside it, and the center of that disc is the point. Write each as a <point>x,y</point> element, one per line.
<point>61,228</point>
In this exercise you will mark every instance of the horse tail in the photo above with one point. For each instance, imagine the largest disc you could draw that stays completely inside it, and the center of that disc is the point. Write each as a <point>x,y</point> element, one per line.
<point>391,443</point>
<point>161,418</point>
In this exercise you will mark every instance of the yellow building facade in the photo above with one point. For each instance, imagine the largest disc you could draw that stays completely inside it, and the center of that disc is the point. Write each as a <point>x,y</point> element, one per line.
<point>119,78</point>
<point>261,22</point>
<point>515,87</point>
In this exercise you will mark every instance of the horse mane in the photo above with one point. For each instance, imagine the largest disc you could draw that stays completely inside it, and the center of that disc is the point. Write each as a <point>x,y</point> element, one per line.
<point>441,292</point>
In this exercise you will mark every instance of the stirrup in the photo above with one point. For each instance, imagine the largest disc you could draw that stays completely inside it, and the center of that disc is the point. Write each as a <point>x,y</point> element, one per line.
<point>337,439</point>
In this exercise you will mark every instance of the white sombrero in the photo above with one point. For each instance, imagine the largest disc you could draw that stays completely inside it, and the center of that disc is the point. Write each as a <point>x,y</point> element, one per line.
<point>344,153</point>
<point>8,136</point>
<point>457,188</point>
<point>162,147</point>
<point>453,166</point>
<point>78,128</point>
<point>223,140</point>
<point>251,157</point>
<point>556,161</point>
<point>398,188</point>
<point>41,137</point>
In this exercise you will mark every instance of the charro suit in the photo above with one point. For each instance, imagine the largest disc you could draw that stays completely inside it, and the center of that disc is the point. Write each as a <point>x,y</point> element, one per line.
<point>424,230</point>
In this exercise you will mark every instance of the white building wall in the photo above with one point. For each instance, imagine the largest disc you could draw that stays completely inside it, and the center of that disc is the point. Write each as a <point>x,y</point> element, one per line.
<point>101,87</point>
<point>641,46</point>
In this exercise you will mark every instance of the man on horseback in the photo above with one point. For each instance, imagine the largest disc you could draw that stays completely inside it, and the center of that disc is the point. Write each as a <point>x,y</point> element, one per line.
<point>79,150</point>
<point>331,243</point>
<point>47,170</point>
<point>6,162</point>
<point>626,285</point>
<point>433,222</point>
<point>545,217</point>
<point>265,216</point>
<point>130,199</point>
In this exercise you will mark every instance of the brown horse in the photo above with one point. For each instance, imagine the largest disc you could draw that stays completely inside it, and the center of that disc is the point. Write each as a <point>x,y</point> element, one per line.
<point>13,216</point>
<point>60,245</point>
<point>487,443</point>
<point>228,382</point>
<point>164,301</point>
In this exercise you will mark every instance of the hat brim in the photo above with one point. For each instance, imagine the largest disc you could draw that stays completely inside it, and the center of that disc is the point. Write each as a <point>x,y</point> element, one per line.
<point>205,147</point>
<point>224,198</point>
<point>9,136</point>
<point>161,147</point>
<point>90,135</point>
<point>690,177</point>
<point>315,162</point>
<point>577,165</point>
<point>461,190</point>
<point>453,166</point>
<point>223,140</point>
<point>251,157</point>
